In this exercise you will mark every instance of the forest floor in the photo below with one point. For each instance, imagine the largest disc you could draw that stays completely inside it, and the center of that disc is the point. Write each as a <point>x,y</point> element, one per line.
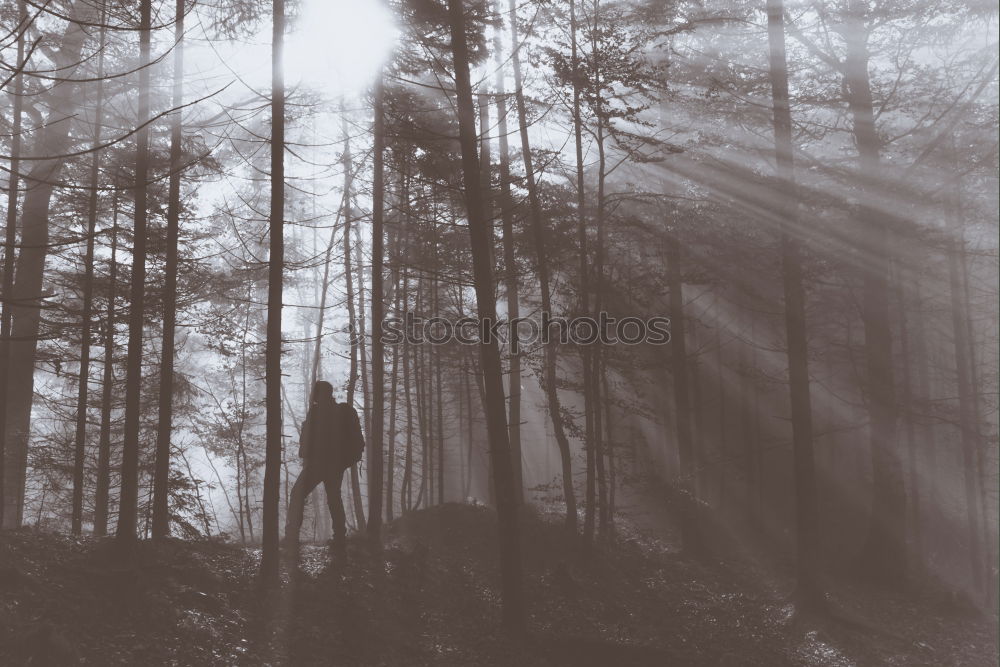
<point>430,597</point>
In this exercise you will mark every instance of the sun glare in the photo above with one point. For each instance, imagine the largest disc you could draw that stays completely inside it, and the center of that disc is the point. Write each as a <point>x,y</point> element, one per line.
<point>337,46</point>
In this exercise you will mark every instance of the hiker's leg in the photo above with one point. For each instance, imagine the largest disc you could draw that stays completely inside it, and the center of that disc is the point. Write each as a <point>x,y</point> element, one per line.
<point>305,483</point>
<point>333,484</point>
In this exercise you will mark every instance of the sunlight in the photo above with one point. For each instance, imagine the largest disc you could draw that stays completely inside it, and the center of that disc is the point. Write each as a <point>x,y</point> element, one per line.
<point>336,46</point>
<point>374,329</point>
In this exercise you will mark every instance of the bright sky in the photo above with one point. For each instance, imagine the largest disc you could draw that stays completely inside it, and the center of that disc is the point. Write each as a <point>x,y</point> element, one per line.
<point>334,47</point>
<point>338,45</point>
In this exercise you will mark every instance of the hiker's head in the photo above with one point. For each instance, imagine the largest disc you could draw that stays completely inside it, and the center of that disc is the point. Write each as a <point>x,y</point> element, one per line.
<point>322,391</point>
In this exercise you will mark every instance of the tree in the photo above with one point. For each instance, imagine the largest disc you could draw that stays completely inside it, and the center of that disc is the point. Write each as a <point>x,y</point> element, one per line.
<point>103,485</point>
<point>352,375</point>
<point>128,505</point>
<point>377,422</point>
<point>161,476</point>
<point>479,235</point>
<point>690,530</point>
<point>24,299</point>
<point>884,554</point>
<point>510,276</point>
<point>10,238</point>
<point>806,505</point>
<point>538,235</point>
<point>275,277</point>
<point>968,427</point>
<point>88,295</point>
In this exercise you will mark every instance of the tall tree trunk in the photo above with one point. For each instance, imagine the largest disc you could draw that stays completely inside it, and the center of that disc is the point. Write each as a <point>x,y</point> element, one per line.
<point>982,468</point>
<point>462,468</point>
<point>550,349</point>
<point>242,467</point>
<point>968,427</point>
<point>356,336</point>
<point>496,414</point>
<point>247,486</point>
<point>241,518</point>
<point>748,440</point>
<point>366,392</point>
<point>600,455</point>
<point>690,534</point>
<point>375,435</point>
<point>423,411</point>
<point>275,276</point>
<point>806,503</point>
<point>83,384</point>
<point>924,454</point>
<point>586,357</point>
<point>10,239</point>
<point>471,432</point>
<point>129,499</point>
<point>481,389</point>
<point>390,467</point>
<point>909,423</point>
<point>757,501</point>
<point>431,446</point>
<point>424,414</point>
<point>721,444</point>
<point>161,475</point>
<point>884,554</point>
<point>390,464</point>
<point>362,335</point>
<point>104,440</point>
<point>406,484</point>
<point>609,509</point>
<point>510,280</point>
<point>24,298</point>
<point>439,403</point>
<point>595,470</point>
<point>699,458</point>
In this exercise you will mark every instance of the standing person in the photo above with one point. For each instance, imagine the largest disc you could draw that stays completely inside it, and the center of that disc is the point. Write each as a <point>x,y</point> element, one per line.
<point>331,442</point>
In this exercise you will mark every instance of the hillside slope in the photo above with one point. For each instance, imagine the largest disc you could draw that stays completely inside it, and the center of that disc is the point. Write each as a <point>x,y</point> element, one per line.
<point>431,598</point>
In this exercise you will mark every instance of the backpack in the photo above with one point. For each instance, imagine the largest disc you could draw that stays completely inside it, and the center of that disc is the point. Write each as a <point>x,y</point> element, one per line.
<point>352,446</point>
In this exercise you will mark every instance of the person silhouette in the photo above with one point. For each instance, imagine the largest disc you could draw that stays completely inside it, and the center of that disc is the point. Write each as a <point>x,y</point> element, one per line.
<point>331,442</point>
